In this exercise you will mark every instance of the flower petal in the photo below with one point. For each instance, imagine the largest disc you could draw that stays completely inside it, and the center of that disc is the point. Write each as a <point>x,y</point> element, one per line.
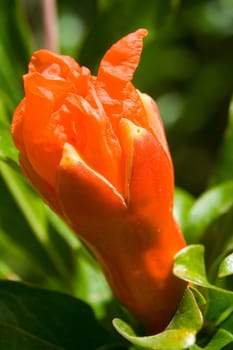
<point>40,185</point>
<point>154,121</point>
<point>17,126</point>
<point>89,202</point>
<point>42,97</point>
<point>151,182</point>
<point>120,61</point>
<point>52,65</point>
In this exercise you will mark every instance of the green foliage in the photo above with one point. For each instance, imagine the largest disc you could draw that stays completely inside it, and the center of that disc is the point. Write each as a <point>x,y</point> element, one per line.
<point>33,318</point>
<point>226,267</point>
<point>187,67</point>
<point>180,333</point>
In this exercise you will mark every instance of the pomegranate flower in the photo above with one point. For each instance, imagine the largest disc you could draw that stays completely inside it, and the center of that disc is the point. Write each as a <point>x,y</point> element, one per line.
<point>94,147</point>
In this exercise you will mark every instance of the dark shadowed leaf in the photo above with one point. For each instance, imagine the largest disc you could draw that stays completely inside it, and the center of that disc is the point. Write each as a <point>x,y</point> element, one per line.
<point>33,318</point>
<point>224,168</point>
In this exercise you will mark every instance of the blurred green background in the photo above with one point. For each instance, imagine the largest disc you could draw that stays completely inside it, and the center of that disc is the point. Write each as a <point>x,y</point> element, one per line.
<point>186,66</point>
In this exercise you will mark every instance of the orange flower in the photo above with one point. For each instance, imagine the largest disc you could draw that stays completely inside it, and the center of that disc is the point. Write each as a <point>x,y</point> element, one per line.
<point>95,149</point>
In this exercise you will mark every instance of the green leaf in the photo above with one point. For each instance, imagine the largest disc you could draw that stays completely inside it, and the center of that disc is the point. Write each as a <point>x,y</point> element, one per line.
<point>180,333</point>
<point>17,239</point>
<point>33,318</point>
<point>190,266</point>
<point>14,58</point>
<point>211,205</point>
<point>7,150</point>
<point>183,202</point>
<point>220,340</point>
<point>12,338</point>
<point>219,310</point>
<point>226,266</point>
<point>91,284</point>
<point>29,228</point>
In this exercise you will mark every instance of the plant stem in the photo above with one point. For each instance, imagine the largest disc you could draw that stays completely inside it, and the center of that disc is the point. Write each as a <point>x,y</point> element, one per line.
<point>49,8</point>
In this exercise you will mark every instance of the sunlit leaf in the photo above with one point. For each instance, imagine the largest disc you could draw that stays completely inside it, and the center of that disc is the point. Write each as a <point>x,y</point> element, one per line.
<point>190,266</point>
<point>218,310</point>
<point>226,266</point>
<point>180,333</point>
<point>7,151</point>
<point>212,204</point>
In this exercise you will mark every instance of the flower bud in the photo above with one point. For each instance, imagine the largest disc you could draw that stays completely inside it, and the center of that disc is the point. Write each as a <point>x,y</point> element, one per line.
<point>94,147</point>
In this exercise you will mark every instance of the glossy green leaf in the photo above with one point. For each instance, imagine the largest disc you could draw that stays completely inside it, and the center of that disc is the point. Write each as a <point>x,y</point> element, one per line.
<point>180,333</point>
<point>190,265</point>
<point>211,205</point>
<point>220,340</point>
<point>33,318</point>
<point>226,266</point>
<point>183,202</point>
<point>218,310</point>
<point>200,298</point>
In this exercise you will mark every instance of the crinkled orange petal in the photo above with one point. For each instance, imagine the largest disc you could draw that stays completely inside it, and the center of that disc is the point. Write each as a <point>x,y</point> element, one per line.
<point>42,148</point>
<point>118,96</point>
<point>102,149</point>
<point>17,126</point>
<point>51,64</point>
<point>120,61</point>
